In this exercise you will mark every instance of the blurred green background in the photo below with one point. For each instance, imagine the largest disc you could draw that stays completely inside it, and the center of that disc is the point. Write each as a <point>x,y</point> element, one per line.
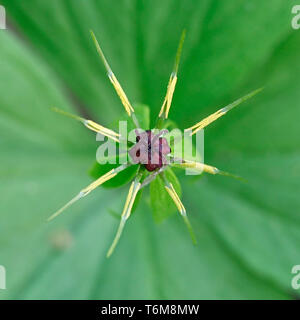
<point>248,234</point>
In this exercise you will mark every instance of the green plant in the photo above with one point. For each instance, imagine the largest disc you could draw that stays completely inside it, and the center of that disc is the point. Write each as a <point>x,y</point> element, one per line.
<point>247,233</point>
<point>151,153</point>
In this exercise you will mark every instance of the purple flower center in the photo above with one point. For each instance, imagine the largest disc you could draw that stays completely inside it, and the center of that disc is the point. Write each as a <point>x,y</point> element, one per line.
<point>150,150</point>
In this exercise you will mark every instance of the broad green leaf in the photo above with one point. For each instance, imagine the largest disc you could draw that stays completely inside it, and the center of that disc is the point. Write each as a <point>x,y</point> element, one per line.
<point>161,203</point>
<point>248,234</point>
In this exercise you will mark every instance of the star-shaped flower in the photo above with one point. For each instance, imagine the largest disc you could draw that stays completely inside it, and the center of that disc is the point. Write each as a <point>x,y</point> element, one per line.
<point>151,152</point>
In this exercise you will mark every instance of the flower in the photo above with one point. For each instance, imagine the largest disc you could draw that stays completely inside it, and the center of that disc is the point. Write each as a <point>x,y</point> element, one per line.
<point>151,152</point>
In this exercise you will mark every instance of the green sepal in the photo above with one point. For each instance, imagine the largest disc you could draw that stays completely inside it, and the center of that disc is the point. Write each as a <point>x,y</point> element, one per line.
<point>161,203</point>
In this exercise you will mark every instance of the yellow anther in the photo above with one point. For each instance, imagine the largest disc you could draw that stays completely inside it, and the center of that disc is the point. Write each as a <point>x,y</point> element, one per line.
<point>91,125</point>
<point>208,120</point>
<point>198,166</point>
<point>133,190</point>
<point>164,111</point>
<point>171,191</point>
<point>84,192</point>
<point>109,175</point>
<point>210,169</point>
<point>100,129</point>
<point>184,164</point>
<point>128,107</point>
<point>205,122</point>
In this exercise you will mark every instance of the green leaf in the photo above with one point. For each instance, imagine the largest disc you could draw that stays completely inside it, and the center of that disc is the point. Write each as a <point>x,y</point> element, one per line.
<point>161,203</point>
<point>248,234</point>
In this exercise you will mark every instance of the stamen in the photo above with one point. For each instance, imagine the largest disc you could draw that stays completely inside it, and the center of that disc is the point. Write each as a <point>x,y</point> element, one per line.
<point>198,166</point>
<point>171,191</point>
<point>184,164</point>
<point>134,188</point>
<point>128,107</point>
<point>58,212</point>
<point>91,125</point>
<point>234,176</point>
<point>117,237</point>
<point>109,175</point>
<point>84,192</point>
<point>164,111</point>
<point>208,120</point>
<point>98,128</point>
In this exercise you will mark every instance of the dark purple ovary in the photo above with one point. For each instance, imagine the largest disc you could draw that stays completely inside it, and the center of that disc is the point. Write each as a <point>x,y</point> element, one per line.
<point>150,150</point>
